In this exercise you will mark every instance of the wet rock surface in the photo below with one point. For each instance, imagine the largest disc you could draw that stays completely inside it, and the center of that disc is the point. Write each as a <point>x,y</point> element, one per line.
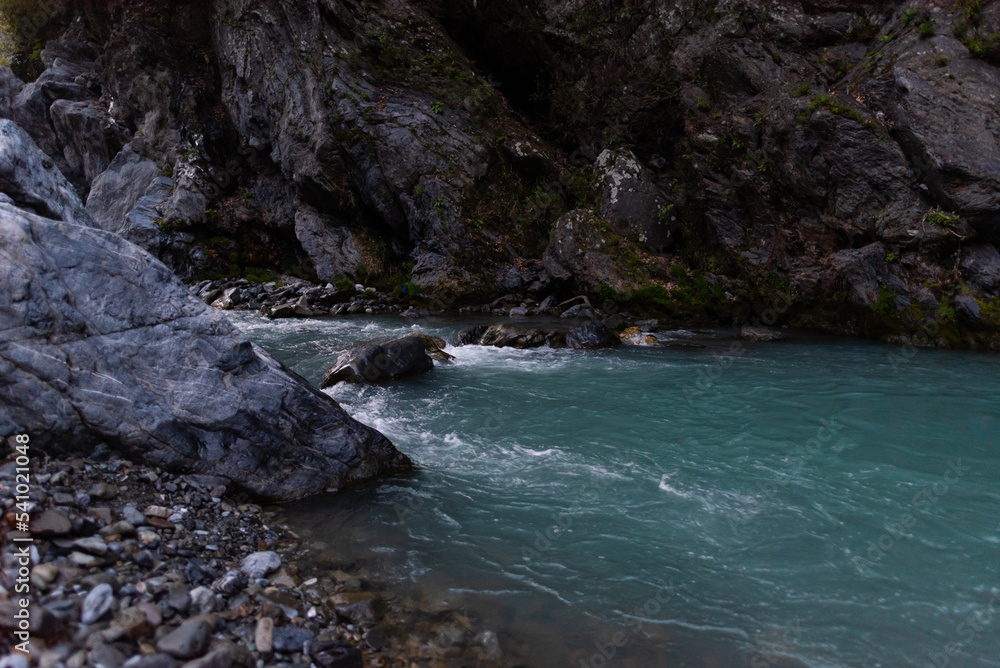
<point>101,341</point>
<point>182,600</point>
<point>381,362</point>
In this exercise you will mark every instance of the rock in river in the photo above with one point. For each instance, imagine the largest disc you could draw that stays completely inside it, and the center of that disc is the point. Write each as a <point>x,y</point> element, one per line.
<point>508,336</point>
<point>381,362</point>
<point>592,336</point>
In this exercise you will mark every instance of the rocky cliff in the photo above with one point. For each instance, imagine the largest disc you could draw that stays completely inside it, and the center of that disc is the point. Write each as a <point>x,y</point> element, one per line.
<point>828,164</point>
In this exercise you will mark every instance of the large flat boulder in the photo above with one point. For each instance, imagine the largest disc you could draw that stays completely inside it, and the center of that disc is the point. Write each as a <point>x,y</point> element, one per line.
<point>99,341</point>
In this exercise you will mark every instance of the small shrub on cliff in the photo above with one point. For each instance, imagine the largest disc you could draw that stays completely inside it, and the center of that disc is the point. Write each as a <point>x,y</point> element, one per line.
<point>926,29</point>
<point>802,89</point>
<point>940,217</point>
<point>945,311</point>
<point>21,25</point>
<point>831,104</point>
<point>679,274</point>
<point>970,9</point>
<point>885,303</point>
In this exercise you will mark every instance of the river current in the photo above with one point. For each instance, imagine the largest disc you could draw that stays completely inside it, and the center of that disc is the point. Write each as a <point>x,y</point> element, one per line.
<point>815,502</point>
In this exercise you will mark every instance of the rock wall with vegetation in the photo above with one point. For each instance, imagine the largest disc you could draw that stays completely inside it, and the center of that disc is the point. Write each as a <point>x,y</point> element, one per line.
<point>827,164</point>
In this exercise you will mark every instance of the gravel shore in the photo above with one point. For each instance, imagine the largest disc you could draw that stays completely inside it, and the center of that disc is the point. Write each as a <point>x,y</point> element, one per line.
<point>131,566</point>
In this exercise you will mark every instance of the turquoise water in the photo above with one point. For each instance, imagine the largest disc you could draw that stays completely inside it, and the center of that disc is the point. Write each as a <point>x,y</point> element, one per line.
<point>814,502</point>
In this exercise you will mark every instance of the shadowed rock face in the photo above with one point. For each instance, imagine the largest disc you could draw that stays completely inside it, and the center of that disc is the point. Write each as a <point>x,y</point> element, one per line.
<point>100,342</point>
<point>830,155</point>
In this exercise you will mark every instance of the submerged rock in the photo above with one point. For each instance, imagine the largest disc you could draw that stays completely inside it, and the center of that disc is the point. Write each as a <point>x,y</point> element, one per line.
<point>102,342</point>
<point>592,336</point>
<point>636,337</point>
<point>756,333</point>
<point>381,362</point>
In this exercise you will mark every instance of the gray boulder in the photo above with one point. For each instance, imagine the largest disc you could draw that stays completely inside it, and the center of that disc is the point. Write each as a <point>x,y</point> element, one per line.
<point>381,362</point>
<point>100,342</point>
<point>592,336</point>
<point>331,247</point>
<point>981,267</point>
<point>116,191</point>
<point>470,336</point>
<point>512,336</point>
<point>580,252</point>
<point>10,86</point>
<point>32,181</point>
<point>89,137</point>
<point>631,201</point>
<point>580,311</point>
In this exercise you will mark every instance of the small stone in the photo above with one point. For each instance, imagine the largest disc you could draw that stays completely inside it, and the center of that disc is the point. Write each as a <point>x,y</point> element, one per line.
<point>179,598</point>
<point>97,603</point>
<point>135,623</point>
<point>375,638</point>
<point>105,654</point>
<point>148,538</point>
<point>45,573</point>
<point>102,515</point>
<point>263,635</point>
<point>259,564</point>
<point>333,654</point>
<point>283,580</point>
<point>63,499</point>
<point>152,612</point>
<point>144,559</point>
<point>133,516</point>
<point>152,661</point>
<point>122,528</point>
<point>14,661</point>
<point>51,523</point>
<point>202,600</point>
<point>229,583</point>
<point>103,491</point>
<point>358,607</point>
<point>94,545</point>
<point>187,641</point>
<point>158,511</point>
<point>82,499</point>
<point>84,560</point>
<point>290,639</point>
<point>218,658</point>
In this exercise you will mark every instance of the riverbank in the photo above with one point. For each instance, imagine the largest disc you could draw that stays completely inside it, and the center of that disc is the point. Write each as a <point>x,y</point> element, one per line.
<point>133,566</point>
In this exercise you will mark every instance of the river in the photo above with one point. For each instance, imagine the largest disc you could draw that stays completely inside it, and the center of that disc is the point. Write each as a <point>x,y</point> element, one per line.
<point>815,502</point>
